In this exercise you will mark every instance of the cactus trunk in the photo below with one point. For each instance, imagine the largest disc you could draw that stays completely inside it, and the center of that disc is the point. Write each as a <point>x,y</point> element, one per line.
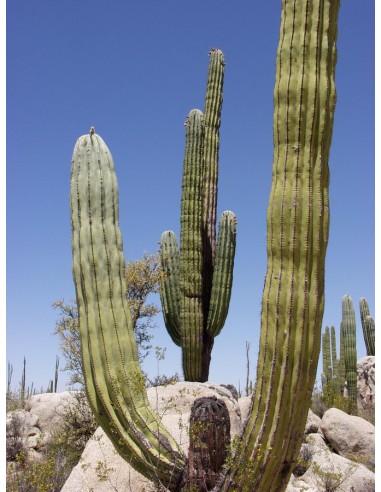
<point>114,381</point>
<point>297,222</point>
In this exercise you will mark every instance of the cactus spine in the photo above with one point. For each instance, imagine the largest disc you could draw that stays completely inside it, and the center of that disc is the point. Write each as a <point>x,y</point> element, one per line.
<point>349,345</point>
<point>195,293</point>
<point>367,323</point>
<point>297,225</point>
<point>114,382</point>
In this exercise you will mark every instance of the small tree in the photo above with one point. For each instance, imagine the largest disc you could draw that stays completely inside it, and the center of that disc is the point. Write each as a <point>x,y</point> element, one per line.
<point>142,278</point>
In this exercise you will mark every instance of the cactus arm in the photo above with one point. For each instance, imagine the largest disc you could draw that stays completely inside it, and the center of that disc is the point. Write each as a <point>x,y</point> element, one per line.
<point>368,327</point>
<point>223,273</point>
<point>212,121</point>
<point>350,353</point>
<point>191,249</point>
<point>298,217</point>
<point>169,286</point>
<point>114,382</point>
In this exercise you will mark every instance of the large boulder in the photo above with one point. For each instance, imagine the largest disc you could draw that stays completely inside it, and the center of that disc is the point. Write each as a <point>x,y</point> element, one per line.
<point>329,471</point>
<point>50,408</point>
<point>366,382</point>
<point>350,436</point>
<point>101,469</point>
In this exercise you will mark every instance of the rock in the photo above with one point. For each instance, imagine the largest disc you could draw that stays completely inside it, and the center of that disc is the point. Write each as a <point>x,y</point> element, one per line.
<point>173,403</point>
<point>329,471</point>
<point>49,408</point>
<point>366,380</point>
<point>350,436</point>
<point>24,419</point>
<point>244,405</point>
<point>313,423</point>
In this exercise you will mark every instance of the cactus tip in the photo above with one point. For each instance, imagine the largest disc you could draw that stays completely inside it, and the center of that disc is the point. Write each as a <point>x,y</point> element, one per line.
<point>92,130</point>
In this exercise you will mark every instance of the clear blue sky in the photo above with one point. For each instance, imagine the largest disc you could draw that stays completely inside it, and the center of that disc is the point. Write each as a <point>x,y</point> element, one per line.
<point>133,70</point>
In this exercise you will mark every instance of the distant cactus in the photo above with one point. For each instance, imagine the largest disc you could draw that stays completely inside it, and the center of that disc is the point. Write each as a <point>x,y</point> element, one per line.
<point>349,346</point>
<point>195,292</point>
<point>326,354</point>
<point>368,327</point>
<point>331,364</point>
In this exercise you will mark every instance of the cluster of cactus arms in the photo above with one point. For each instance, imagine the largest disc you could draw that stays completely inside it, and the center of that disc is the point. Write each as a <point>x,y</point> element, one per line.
<point>368,327</point>
<point>196,289</point>
<point>348,333</point>
<point>293,297</point>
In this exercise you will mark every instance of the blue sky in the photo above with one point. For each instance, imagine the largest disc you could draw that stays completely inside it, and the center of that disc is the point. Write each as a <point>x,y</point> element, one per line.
<point>133,70</point>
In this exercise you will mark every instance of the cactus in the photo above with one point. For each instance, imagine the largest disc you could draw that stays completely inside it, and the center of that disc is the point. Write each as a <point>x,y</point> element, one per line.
<point>349,345</point>
<point>367,323</point>
<point>293,297</point>
<point>195,292</point>
<point>335,363</point>
<point>297,225</point>
<point>327,361</point>
<point>331,364</point>
<point>114,381</point>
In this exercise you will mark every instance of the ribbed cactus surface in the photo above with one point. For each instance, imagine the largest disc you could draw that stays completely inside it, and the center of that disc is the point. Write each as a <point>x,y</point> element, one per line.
<point>326,353</point>
<point>196,290</point>
<point>335,362</point>
<point>114,381</point>
<point>368,327</point>
<point>297,235</point>
<point>349,345</point>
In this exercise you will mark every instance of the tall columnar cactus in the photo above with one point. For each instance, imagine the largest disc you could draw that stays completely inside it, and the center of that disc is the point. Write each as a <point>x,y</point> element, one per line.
<point>335,362</point>
<point>114,382</point>
<point>326,354</point>
<point>349,345</point>
<point>367,323</point>
<point>342,361</point>
<point>330,361</point>
<point>297,236</point>
<point>195,292</point>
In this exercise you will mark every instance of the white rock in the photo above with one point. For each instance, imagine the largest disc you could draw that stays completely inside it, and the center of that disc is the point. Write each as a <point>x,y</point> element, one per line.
<point>313,423</point>
<point>49,408</point>
<point>173,403</point>
<point>244,404</point>
<point>366,382</point>
<point>24,419</point>
<point>330,469</point>
<point>351,436</point>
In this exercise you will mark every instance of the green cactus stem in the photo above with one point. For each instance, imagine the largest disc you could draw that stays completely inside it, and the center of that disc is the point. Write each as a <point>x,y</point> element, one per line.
<point>196,290</point>
<point>335,363</point>
<point>114,381</point>
<point>349,344</point>
<point>326,353</point>
<point>297,225</point>
<point>367,323</point>
<point>342,361</point>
